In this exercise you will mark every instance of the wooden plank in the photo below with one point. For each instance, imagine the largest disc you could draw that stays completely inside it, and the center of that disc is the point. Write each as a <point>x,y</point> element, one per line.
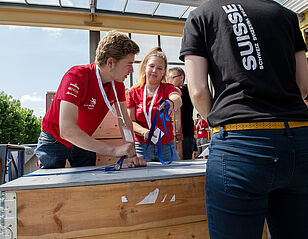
<point>264,234</point>
<point>177,132</point>
<point>196,230</point>
<point>98,210</point>
<point>154,171</point>
<point>108,128</point>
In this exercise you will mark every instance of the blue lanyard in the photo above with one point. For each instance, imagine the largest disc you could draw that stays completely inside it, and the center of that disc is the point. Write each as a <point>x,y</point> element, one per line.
<point>112,167</point>
<point>163,117</point>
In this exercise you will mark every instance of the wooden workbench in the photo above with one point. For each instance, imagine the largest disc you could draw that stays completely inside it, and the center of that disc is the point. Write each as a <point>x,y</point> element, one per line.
<point>153,202</point>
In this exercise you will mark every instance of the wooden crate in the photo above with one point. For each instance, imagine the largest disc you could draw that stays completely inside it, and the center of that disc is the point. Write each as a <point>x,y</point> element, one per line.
<point>109,127</point>
<point>152,202</point>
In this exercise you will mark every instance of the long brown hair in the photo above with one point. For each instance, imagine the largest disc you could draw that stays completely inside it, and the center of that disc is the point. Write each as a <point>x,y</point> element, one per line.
<point>157,51</point>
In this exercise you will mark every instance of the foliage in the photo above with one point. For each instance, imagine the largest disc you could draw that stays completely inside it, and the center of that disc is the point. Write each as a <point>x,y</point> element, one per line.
<point>17,125</point>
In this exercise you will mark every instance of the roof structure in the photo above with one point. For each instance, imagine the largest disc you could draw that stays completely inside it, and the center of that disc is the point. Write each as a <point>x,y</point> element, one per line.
<point>158,17</point>
<point>161,17</point>
<point>298,6</point>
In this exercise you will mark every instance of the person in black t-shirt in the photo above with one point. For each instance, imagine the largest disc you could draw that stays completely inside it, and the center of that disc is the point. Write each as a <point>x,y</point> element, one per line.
<point>257,168</point>
<point>176,76</point>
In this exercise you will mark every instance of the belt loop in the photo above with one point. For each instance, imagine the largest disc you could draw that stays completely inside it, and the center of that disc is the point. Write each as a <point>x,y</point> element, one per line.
<point>288,130</point>
<point>221,132</point>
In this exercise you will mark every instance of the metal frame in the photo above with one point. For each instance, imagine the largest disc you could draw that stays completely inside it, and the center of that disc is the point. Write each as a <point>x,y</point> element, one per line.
<point>80,18</point>
<point>4,150</point>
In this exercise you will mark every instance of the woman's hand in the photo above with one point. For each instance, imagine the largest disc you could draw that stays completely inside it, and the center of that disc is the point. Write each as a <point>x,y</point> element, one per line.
<point>164,104</point>
<point>146,135</point>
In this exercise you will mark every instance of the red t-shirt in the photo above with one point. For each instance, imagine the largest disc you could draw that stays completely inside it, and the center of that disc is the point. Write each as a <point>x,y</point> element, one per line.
<point>200,127</point>
<point>80,86</point>
<point>135,99</point>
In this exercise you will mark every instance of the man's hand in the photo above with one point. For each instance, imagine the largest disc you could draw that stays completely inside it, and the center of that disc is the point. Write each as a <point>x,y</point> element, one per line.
<point>136,162</point>
<point>125,149</point>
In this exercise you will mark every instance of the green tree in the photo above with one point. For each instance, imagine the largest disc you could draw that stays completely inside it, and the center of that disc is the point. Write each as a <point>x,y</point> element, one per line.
<point>17,125</point>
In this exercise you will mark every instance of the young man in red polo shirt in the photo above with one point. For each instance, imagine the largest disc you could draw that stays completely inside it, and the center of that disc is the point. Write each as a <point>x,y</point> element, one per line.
<point>85,95</point>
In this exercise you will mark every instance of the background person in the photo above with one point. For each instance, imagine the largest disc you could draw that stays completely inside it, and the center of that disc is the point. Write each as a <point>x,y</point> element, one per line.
<point>200,128</point>
<point>83,99</point>
<point>176,76</point>
<point>257,167</point>
<point>143,100</point>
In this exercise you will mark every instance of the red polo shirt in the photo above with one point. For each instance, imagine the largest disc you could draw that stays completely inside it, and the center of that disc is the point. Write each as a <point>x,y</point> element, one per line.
<point>135,99</point>
<point>80,86</point>
<point>200,127</point>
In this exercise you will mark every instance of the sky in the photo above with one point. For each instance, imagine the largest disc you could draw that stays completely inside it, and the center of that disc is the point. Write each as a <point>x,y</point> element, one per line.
<point>34,59</point>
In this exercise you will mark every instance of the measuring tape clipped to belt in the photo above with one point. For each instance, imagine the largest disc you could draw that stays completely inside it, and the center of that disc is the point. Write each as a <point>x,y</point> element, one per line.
<point>163,117</point>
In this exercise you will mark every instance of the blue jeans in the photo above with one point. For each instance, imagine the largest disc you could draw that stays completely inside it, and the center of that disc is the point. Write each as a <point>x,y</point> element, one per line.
<point>256,174</point>
<point>53,154</point>
<point>151,154</point>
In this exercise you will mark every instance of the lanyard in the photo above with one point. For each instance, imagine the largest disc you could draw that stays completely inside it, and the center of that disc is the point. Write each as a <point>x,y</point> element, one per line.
<point>148,116</point>
<point>163,116</point>
<point>106,98</point>
<point>198,124</point>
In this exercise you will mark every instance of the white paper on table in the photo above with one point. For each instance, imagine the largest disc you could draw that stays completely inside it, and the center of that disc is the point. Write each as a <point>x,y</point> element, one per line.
<point>205,152</point>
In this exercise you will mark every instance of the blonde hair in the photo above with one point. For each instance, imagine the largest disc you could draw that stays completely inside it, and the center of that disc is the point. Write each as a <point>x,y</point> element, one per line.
<point>157,51</point>
<point>116,45</point>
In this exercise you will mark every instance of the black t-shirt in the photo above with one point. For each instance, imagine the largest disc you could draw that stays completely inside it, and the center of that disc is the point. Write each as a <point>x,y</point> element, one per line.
<point>250,47</point>
<point>186,113</point>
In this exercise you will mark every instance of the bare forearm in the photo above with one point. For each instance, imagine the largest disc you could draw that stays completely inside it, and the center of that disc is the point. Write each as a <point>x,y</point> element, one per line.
<point>70,131</point>
<point>138,129</point>
<point>201,100</point>
<point>197,70</point>
<point>302,73</point>
<point>78,137</point>
<point>177,101</point>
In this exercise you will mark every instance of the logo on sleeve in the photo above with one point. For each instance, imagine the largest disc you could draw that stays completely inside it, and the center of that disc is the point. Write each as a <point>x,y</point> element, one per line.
<point>245,36</point>
<point>73,90</point>
<point>91,105</point>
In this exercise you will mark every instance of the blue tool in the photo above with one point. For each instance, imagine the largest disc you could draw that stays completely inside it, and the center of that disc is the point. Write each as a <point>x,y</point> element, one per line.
<point>112,167</point>
<point>117,166</point>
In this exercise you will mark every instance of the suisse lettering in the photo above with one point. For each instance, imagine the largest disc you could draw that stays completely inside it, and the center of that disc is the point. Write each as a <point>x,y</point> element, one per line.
<point>244,42</point>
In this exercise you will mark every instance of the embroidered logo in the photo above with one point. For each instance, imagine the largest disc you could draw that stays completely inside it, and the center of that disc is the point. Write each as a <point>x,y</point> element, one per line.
<point>91,105</point>
<point>140,106</point>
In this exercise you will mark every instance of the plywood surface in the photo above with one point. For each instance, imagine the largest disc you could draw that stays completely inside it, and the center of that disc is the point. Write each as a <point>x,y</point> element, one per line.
<point>196,230</point>
<point>108,128</point>
<point>154,171</point>
<point>124,208</point>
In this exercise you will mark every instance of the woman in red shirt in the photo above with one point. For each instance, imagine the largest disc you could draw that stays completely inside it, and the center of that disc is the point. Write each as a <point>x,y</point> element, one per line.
<point>143,100</point>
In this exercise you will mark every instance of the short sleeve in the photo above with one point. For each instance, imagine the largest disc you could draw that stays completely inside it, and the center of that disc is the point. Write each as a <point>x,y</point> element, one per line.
<point>193,40</point>
<point>71,88</point>
<point>130,99</point>
<point>299,43</point>
<point>168,89</point>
